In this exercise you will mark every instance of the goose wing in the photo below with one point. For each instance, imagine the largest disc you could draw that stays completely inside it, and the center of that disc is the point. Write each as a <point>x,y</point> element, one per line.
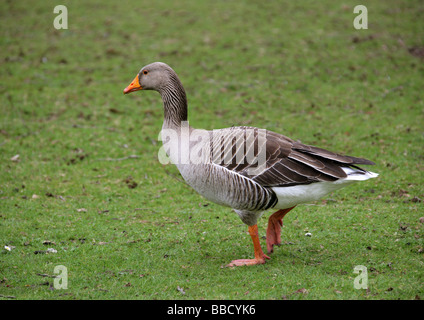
<point>272,159</point>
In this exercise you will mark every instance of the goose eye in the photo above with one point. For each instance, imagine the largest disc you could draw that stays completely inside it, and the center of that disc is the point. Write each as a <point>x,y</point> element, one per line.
<point>145,72</point>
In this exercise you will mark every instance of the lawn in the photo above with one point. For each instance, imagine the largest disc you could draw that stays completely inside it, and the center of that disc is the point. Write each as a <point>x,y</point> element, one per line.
<point>79,169</point>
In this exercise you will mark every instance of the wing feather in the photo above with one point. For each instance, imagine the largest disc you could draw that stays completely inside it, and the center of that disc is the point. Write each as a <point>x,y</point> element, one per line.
<point>287,162</point>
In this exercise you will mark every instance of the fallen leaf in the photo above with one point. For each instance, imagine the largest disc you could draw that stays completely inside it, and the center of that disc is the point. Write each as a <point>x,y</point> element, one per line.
<point>416,199</point>
<point>417,52</point>
<point>302,290</point>
<point>114,110</point>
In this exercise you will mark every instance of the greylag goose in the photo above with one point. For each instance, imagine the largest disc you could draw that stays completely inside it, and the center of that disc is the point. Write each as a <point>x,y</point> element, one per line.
<point>248,169</point>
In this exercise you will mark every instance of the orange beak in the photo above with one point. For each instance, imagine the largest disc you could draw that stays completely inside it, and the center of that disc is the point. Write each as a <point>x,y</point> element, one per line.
<point>134,86</point>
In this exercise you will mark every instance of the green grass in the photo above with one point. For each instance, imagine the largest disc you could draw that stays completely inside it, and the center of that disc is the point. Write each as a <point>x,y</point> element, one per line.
<point>298,68</point>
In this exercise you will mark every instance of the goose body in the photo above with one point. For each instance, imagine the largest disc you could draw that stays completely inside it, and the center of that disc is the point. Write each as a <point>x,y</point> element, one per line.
<point>248,169</point>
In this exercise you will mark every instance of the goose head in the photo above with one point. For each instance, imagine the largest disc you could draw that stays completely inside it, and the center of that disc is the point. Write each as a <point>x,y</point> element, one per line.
<point>160,77</point>
<point>154,76</point>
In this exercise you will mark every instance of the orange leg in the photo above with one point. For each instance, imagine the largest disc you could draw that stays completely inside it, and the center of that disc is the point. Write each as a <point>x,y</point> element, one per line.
<point>260,256</point>
<point>273,232</point>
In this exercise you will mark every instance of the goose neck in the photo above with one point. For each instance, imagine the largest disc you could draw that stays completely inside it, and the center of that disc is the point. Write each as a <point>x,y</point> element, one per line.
<point>174,104</point>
